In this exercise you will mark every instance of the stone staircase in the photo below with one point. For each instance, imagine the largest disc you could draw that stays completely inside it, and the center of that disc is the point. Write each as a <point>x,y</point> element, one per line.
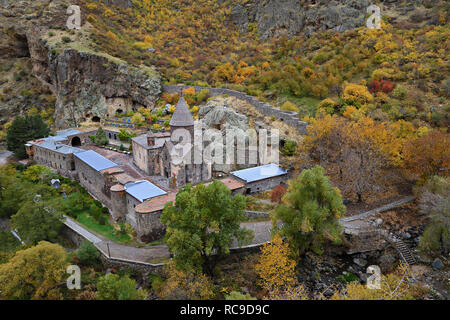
<point>401,247</point>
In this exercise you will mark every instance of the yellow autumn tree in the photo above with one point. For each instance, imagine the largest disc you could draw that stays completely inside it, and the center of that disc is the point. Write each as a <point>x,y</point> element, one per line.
<point>189,91</point>
<point>34,273</point>
<point>275,268</point>
<point>357,94</point>
<point>181,285</point>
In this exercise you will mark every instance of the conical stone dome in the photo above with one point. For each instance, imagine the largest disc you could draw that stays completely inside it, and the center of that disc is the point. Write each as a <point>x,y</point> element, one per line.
<point>182,117</point>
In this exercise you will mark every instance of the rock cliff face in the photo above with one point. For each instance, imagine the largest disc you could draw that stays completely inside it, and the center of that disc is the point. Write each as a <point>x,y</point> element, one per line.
<point>83,83</point>
<point>274,18</point>
<point>82,80</point>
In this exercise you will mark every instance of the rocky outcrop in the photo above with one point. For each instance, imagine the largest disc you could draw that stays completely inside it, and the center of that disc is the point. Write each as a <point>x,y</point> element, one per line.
<point>274,18</point>
<point>290,17</point>
<point>222,117</point>
<point>82,80</point>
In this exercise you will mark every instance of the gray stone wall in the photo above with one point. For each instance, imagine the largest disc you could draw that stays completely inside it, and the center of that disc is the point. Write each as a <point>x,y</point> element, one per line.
<point>140,157</point>
<point>62,163</point>
<point>93,181</point>
<point>289,117</point>
<point>256,214</point>
<point>149,226</point>
<point>263,185</point>
<point>119,208</point>
<point>131,203</point>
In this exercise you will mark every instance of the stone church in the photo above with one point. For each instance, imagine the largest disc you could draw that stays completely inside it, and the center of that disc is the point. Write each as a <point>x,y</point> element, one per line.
<point>171,154</point>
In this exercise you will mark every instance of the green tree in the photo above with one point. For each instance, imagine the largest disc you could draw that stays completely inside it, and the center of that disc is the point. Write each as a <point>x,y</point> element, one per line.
<point>7,241</point>
<point>202,225</point>
<point>289,148</point>
<point>41,220</point>
<point>33,273</point>
<point>77,202</point>
<point>24,129</point>
<point>88,253</point>
<point>100,137</point>
<point>113,287</point>
<point>12,192</point>
<point>310,213</point>
<point>125,135</point>
<point>34,173</point>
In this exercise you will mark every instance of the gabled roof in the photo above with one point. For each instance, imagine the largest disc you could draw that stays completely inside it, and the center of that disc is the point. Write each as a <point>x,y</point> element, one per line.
<point>58,147</point>
<point>259,173</point>
<point>95,160</point>
<point>61,135</point>
<point>68,132</point>
<point>143,190</point>
<point>181,117</point>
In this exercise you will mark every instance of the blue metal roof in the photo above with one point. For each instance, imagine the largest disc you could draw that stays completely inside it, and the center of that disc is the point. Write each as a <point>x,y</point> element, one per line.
<point>59,147</point>
<point>259,173</point>
<point>61,135</point>
<point>67,132</point>
<point>143,190</point>
<point>95,160</point>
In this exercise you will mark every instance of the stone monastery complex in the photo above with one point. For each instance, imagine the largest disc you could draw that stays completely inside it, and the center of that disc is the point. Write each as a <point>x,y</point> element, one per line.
<point>140,202</point>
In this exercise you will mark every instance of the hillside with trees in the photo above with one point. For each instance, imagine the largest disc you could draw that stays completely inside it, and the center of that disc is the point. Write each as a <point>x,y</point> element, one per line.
<point>377,107</point>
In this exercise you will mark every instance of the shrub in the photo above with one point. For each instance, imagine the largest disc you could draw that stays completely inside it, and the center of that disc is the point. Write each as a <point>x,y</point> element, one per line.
<point>289,148</point>
<point>356,94</point>
<point>327,106</point>
<point>289,106</point>
<point>88,254</point>
<point>66,39</point>
<point>278,193</point>
<point>399,92</point>
<point>381,85</point>
<point>102,220</point>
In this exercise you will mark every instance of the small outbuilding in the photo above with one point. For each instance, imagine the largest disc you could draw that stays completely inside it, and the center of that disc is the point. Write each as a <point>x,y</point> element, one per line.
<point>262,178</point>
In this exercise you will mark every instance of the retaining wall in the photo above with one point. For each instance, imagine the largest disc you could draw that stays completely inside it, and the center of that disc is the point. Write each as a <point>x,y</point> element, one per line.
<point>289,117</point>
<point>256,214</point>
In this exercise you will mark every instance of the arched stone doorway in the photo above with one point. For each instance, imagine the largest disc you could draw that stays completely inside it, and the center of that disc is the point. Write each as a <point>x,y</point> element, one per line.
<point>95,119</point>
<point>76,142</point>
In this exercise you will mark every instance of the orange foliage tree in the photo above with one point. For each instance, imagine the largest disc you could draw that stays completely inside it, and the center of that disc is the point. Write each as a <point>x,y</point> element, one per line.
<point>428,155</point>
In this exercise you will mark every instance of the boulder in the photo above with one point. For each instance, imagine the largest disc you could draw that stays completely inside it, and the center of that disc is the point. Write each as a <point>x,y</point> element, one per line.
<point>386,262</point>
<point>360,262</point>
<point>437,264</point>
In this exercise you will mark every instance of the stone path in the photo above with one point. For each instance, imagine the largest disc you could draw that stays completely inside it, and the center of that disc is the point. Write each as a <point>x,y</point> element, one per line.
<point>358,222</point>
<point>386,207</point>
<point>120,251</point>
<point>88,235</point>
<point>262,231</point>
